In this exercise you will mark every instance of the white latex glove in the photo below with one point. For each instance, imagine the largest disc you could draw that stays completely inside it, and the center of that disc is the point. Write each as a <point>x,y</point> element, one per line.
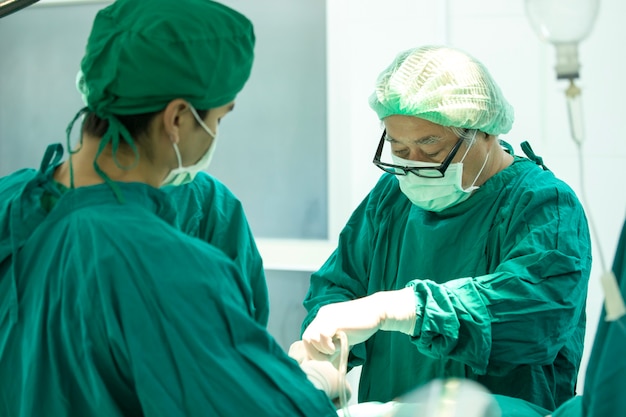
<point>301,353</point>
<point>324,376</point>
<point>361,318</point>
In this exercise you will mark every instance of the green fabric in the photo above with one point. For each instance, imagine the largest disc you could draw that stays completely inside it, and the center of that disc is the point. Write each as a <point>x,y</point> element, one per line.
<point>514,407</point>
<point>501,282</point>
<point>572,408</point>
<point>445,86</point>
<point>141,54</point>
<point>48,200</point>
<point>606,371</point>
<point>121,314</point>
<point>208,210</point>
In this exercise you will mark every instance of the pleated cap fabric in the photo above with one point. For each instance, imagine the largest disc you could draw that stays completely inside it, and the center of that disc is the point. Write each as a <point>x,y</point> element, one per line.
<point>141,54</point>
<point>445,86</point>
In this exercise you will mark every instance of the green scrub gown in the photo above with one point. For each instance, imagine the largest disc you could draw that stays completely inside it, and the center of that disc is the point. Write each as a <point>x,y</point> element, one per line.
<point>108,310</point>
<point>606,371</point>
<point>208,210</point>
<point>501,282</point>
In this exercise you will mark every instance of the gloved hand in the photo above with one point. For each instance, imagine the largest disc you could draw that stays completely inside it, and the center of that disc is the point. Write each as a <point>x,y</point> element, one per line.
<point>361,318</point>
<point>302,352</point>
<point>324,376</point>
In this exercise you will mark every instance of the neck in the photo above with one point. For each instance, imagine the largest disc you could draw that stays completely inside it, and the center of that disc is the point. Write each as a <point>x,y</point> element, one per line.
<point>498,160</point>
<point>129,166</point>
<point>502,160</point>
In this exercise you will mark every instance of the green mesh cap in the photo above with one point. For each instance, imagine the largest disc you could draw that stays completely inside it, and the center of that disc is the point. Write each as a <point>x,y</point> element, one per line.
<point>444,86</point>
<point>141,54</point>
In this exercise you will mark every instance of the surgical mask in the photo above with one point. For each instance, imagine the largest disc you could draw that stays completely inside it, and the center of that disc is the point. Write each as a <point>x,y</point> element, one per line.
<point>436,194</point>
<point>183,175</point>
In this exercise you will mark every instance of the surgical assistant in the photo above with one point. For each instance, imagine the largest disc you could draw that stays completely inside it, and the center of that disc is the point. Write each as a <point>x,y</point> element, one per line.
<point>108,305</point>
<point>464,260</point>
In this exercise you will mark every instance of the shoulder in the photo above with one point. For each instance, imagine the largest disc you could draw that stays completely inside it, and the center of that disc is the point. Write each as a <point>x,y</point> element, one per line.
<point>203,193</point>
<point>135,245</point>
<point>525,194</point>
<point>13,183</point>
<point>203,188</point>
<point>532,184</point>
<point>205,204</point>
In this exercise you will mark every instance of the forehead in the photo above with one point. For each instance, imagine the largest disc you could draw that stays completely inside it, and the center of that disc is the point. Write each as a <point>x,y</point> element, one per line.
<point>408,129</point>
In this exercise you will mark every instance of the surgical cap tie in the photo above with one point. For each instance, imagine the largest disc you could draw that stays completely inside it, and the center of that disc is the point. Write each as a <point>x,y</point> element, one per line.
<point>115,131</point>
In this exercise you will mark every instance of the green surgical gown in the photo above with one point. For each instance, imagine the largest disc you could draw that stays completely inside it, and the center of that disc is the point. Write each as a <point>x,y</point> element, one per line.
<point>501,283</point>
<point>208,210</point>
<point>605,378</point>
<point>106,309</point>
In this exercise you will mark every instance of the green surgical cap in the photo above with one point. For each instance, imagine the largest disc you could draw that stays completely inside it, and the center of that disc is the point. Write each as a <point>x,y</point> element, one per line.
<point>141,54</point>
<point>444,86</point>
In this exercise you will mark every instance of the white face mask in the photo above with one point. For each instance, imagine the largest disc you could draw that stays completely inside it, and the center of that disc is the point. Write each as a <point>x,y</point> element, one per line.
<point>436,194</point>
<point>183,175</point>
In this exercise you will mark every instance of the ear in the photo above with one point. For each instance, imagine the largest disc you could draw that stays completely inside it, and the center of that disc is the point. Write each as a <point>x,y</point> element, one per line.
<point>172,118</point>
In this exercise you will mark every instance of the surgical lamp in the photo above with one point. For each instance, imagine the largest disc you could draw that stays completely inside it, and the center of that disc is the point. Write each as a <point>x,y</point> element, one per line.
<point>10,6</point>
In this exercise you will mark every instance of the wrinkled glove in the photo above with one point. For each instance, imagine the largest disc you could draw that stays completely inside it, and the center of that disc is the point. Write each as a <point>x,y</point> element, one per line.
<point>361,318</point>
<point>302,352</point>
<point>324,376</point>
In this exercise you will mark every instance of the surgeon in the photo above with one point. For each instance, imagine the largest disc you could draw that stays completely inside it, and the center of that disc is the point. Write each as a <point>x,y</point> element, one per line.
<point>464,260</point>
<point>107,308</point>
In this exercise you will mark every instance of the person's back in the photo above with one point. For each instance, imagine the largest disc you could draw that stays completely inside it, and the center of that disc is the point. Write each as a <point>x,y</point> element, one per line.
<point>116,315</point>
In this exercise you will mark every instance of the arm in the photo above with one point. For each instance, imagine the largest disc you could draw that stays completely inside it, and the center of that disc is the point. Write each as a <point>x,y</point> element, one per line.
<point>345,275</point>
<point>534,302</point>
<point>194,350</point>
<point>524,311</point>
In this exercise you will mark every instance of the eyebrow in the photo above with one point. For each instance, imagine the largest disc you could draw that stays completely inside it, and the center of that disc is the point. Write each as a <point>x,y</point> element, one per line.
<point>426,140</point>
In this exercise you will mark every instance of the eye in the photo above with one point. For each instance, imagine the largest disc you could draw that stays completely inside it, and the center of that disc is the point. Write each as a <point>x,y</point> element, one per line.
<point>431,151</point>
<point>402,152</point>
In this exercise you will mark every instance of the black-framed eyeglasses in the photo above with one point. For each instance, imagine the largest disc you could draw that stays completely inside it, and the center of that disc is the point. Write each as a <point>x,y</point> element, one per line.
<point>427,172</point>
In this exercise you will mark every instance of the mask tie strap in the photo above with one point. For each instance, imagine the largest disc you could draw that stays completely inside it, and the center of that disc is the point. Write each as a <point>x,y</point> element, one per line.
<point>470,146</point>
<point>481,170</point>
<point>199,120</point>
<point>178,157</point>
